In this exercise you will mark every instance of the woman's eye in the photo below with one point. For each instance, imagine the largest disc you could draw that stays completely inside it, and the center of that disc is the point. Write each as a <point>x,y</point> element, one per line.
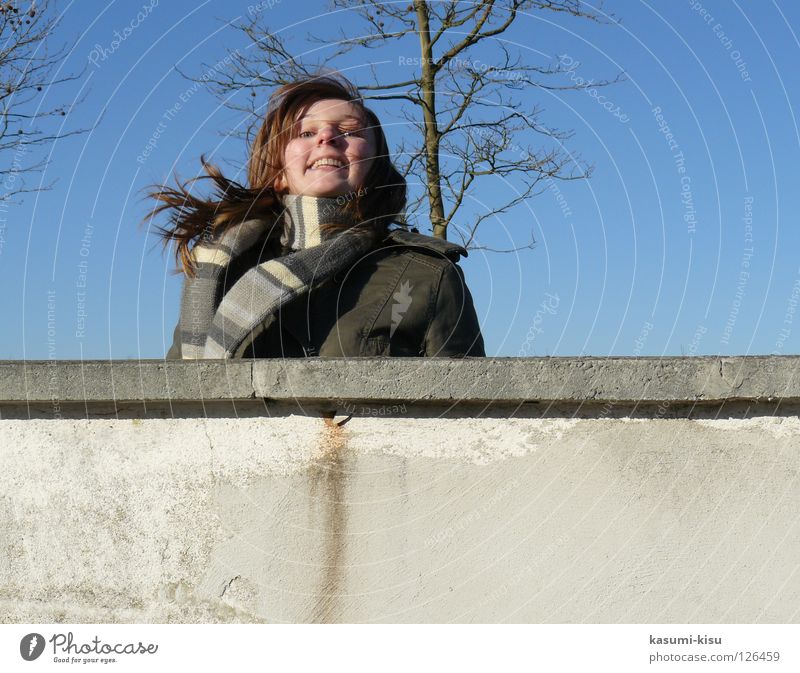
<point>342,133</point>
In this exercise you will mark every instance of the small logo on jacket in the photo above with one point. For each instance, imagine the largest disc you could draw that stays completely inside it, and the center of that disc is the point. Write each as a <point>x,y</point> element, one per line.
<point>31,646</point>
<point>402,300</point>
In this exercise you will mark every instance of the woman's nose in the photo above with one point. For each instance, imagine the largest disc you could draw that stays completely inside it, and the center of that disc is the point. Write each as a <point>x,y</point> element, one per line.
<point>327,134</point>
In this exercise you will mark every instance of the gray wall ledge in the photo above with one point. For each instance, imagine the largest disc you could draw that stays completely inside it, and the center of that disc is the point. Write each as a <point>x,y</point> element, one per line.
<point>439,380</point>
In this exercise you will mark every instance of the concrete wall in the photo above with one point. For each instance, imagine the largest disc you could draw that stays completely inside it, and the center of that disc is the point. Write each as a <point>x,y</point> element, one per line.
<point>389,490</point>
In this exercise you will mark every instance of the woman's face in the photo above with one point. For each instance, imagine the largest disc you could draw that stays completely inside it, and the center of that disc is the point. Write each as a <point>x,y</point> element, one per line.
<point>330,152</point>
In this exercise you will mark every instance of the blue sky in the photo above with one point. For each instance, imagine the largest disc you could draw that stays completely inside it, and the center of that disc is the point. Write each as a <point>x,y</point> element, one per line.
<point>680,244</point>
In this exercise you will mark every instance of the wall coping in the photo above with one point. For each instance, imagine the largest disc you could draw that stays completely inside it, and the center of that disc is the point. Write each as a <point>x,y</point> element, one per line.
<point>442,380</point>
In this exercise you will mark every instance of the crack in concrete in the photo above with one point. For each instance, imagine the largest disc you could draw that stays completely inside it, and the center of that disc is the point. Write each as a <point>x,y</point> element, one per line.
<point>227,585</point>
<point>733,384</point>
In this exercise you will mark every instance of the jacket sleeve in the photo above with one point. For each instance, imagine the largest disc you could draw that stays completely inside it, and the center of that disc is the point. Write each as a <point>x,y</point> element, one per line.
<point>174,352</point>
<point>454,330</point>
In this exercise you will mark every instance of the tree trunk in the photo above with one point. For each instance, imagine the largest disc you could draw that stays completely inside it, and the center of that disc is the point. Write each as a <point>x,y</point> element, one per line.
<point>432,135</point>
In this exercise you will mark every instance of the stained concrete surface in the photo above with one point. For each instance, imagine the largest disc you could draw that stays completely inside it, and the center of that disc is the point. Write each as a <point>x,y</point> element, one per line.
<point>413,516</point>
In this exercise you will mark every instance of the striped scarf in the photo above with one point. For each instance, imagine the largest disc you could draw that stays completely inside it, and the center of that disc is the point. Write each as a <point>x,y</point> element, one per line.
<point>217,327</point>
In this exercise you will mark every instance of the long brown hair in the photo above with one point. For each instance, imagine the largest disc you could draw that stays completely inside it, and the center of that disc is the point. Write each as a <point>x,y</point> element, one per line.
<point>192,218</point>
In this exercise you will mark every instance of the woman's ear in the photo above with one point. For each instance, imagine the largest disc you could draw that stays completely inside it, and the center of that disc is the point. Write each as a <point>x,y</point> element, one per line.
<point>280,184</point>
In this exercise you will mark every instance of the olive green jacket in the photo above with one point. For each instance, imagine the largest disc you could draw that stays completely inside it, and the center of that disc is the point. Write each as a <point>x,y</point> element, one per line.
<point>406,297</point>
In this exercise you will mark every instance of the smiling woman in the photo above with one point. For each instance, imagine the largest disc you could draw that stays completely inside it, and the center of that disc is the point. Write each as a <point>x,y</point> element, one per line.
<point>309,259</point>
<point>331,153</point>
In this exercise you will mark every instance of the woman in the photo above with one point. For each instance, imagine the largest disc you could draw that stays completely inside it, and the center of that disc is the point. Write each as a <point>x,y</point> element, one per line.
<point>305,261</point>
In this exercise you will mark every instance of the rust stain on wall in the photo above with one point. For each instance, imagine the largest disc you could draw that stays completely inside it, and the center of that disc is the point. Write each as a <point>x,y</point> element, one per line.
<point>328,487</point>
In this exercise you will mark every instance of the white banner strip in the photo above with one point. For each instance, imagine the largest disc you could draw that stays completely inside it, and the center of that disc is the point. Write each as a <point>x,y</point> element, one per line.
<point>376,648</point>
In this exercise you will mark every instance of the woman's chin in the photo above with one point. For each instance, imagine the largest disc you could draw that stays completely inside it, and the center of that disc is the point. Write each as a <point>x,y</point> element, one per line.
<point>328,193</point>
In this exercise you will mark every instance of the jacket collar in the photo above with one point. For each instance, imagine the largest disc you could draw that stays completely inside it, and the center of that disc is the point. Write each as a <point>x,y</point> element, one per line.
<point>438,245</point>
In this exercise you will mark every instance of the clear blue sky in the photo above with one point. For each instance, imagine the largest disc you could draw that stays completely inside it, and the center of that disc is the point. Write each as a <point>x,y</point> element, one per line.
<point>653,255</point>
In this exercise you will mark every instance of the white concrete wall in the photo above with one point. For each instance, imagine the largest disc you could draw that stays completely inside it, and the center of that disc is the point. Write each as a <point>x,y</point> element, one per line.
<point>406,513</point>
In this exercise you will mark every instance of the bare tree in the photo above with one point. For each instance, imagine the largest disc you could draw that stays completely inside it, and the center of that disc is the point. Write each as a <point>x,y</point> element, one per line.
<point>467,120</point>
<point>27,63</point>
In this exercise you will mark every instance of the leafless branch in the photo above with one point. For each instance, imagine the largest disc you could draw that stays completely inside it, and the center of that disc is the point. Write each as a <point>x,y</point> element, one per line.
<point>27,65</point>
<point>463,124</point>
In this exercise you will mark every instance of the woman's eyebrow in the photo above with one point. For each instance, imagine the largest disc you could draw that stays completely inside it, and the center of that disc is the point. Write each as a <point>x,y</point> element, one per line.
<point>347,118</point>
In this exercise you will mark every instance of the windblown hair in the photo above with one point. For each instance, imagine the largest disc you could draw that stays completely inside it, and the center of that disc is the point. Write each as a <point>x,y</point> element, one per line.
<point>191,218</point>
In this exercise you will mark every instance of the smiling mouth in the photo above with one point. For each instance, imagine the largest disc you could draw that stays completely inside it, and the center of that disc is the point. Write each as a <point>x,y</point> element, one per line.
<point>334,164</point>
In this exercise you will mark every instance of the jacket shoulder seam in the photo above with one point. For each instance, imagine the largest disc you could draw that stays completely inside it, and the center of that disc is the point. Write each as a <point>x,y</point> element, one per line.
<point>432,302</point>
<point>434,264</point>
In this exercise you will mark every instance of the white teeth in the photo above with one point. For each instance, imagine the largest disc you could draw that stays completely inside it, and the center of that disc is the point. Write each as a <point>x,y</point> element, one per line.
<point>327,162</point>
